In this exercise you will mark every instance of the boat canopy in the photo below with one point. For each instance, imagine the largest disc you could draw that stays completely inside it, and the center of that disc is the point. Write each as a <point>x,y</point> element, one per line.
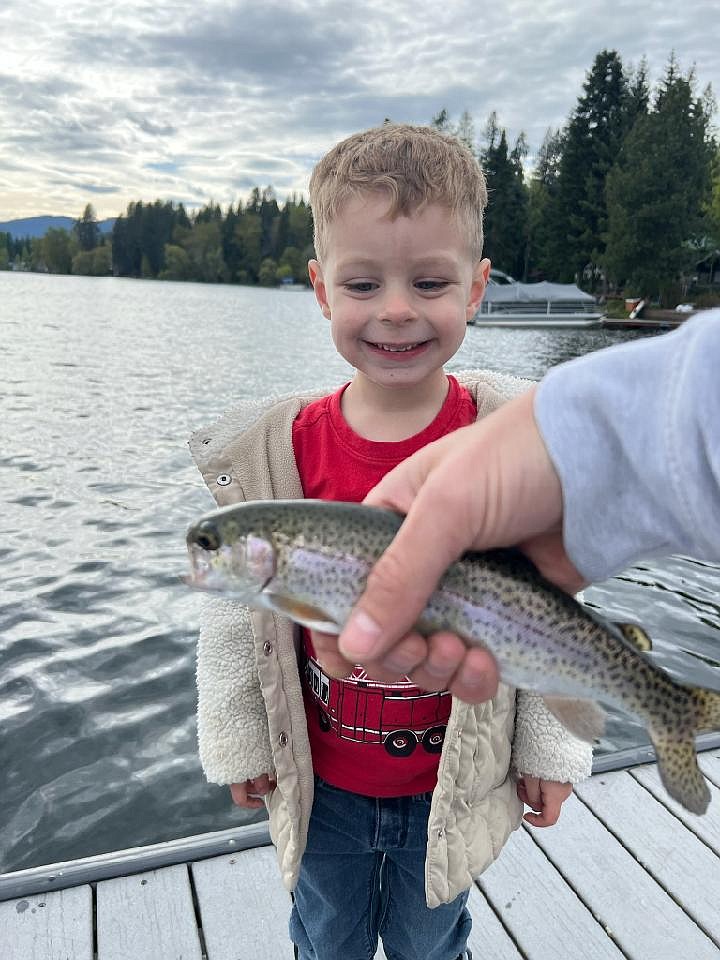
<point>535,292</point>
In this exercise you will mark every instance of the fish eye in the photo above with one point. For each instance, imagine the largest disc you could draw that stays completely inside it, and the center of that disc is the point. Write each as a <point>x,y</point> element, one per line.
<point>207,537</point>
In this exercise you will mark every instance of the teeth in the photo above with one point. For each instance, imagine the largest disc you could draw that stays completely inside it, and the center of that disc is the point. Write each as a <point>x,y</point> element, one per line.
<point>397,349</point>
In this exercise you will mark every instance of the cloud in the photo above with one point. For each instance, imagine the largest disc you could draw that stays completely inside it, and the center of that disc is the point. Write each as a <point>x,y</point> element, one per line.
<point>96,188</point>
<point>258,47</point>
<point>204,101</point>
<point>149,127</point>
<point>169,167</point>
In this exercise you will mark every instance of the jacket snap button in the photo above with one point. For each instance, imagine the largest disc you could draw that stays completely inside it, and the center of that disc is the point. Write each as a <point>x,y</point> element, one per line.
<point>224,480</point>
<point>267,648</point>
<point>283,739</point>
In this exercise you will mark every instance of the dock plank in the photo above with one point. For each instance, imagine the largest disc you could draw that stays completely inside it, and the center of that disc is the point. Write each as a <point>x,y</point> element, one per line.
<point>244,908</point>
<point>488,937</point>
<point>543,914</point>
<point>672,854</point>
<point>48,926</point>
<point>643,920</point>
<point>147,916</point>
<point>707,826</point>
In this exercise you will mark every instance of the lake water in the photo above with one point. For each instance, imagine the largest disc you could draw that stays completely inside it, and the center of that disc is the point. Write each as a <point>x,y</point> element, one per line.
<point>102,382</point>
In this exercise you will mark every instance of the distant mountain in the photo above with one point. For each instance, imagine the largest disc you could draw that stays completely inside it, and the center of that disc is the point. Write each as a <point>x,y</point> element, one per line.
<point>39,226</point>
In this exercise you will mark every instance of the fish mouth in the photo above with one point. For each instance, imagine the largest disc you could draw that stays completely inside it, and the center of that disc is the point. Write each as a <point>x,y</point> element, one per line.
<point>204,576</point>
<point>202,572</point>
<point>193,581</point>
<point>397,347</point>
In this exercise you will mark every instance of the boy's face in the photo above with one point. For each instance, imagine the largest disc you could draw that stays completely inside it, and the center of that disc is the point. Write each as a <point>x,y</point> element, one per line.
<point>398,293</point>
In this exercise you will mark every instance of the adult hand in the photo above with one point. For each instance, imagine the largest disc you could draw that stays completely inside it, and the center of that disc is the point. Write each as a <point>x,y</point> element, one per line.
<point>491,484</point>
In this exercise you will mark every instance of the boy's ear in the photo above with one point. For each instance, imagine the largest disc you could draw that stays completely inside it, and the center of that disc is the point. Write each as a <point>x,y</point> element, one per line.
<point>481,275</point>
<point>318,284</point>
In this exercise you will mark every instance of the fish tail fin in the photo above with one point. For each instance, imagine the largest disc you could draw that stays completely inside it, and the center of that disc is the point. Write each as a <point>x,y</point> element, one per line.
<point>678,767</point>
<point>676,753</point>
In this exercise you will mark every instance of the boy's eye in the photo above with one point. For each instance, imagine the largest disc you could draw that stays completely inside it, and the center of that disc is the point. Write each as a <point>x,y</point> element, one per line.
<point>431,284</point>
<point>361,286</point>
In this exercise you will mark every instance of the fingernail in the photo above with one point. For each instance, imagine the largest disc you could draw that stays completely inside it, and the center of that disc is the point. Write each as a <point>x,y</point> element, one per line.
<point>360,636</point>
<point>473,680</point>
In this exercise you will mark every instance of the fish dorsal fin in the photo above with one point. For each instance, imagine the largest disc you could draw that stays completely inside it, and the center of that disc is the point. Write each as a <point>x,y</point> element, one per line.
<point>303,613</point>
<point>636,636</point>
<point>583,718</point>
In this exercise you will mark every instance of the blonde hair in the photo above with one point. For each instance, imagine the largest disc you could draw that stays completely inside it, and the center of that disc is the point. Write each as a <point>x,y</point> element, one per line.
<point>413,165</point>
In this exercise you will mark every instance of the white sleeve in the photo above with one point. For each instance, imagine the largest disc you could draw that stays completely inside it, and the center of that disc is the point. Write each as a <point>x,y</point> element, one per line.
<point>233,734</point>
<point>542,747</point>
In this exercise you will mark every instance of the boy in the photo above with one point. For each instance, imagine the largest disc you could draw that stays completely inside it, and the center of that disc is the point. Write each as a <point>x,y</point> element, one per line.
<point>384,800</point>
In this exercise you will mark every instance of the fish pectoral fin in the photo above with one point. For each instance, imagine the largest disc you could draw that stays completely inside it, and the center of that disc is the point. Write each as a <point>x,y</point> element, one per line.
<point>303,613</point>
<point>635,635</point>
<point>678,767</point>
<point>583,718</point>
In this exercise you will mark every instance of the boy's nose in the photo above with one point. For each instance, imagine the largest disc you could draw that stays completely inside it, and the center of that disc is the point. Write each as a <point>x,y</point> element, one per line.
<point>396,308</point>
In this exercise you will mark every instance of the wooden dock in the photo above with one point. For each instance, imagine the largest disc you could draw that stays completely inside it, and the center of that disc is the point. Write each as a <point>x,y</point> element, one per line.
<point>648,320</point>
<point>627,873</point>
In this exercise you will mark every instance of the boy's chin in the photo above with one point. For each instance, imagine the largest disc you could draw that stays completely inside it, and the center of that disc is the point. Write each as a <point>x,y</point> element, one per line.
<point>401,379</point>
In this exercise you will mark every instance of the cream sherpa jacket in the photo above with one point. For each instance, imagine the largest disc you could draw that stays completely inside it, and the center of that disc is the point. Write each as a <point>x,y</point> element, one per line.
<point>251,717</point>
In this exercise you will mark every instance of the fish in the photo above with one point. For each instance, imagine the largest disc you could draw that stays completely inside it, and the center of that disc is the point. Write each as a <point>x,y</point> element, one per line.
<point>309,560</point>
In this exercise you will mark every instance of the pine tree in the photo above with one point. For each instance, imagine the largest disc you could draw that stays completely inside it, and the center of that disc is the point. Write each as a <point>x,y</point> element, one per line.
<point>441,121</point>
<point>545,255</point>
<point>506,213</point>
<point>269,215</point>
<point>592,140</point>
<point>637,99</point>
<point>659,190</point>
<point>465,130</point>
<point>4,251</point>
<point>232,255</point>
<point>712,212</point>
<point>86,229</point>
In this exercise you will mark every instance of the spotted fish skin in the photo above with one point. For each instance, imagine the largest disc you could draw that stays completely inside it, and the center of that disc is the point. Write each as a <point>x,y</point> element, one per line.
<point>310,560</point>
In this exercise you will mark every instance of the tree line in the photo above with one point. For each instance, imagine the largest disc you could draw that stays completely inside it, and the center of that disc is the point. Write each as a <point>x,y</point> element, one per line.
<point>258,242</point>
<point>625,196</point>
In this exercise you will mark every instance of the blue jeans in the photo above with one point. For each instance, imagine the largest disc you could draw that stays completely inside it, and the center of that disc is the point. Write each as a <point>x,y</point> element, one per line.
<point>363,876</point>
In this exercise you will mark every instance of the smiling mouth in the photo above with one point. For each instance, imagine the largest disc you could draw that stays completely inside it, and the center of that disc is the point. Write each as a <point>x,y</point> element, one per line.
<point>398,347</point>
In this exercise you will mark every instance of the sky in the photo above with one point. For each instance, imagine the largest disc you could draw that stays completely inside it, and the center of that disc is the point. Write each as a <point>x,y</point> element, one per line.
<point>202,101</point>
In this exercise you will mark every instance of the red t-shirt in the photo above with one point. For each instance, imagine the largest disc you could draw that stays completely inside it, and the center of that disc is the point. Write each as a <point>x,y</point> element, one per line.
<point>376,739</point>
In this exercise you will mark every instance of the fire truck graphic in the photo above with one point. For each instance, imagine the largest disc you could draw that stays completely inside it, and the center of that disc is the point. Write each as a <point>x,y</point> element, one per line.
<point>366,711</point>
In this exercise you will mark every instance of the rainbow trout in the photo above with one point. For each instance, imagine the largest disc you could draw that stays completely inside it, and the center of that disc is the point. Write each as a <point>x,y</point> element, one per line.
<point>309,560</point>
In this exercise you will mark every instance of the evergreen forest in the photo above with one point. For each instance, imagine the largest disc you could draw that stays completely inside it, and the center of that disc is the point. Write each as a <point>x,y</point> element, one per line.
<point>624,198</point>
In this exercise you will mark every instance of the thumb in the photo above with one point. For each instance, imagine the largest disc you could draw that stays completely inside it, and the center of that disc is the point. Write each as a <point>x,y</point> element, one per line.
<point>401,581</point>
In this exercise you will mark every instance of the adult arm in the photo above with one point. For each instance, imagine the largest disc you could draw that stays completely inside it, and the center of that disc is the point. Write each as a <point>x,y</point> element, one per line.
<point>634,435</point>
